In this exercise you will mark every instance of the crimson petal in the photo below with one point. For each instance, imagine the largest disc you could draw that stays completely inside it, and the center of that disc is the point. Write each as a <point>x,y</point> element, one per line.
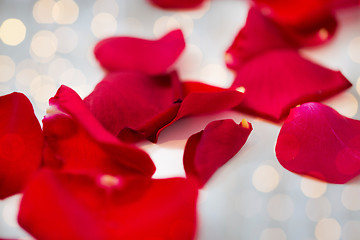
<point>279,80</point>
<point>316,140</point>
<point>81,143</point>
<point>148,56</point>
<point>82,207</point>
<point>21,143</point>
<point>211,148</point>
<point>175,4</point>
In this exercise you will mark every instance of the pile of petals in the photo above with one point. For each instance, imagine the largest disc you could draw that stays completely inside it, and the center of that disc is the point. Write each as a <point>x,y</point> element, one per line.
<point>82,181</point>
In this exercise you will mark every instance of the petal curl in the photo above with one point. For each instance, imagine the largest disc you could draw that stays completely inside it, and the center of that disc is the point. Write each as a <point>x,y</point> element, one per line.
<point>148,56</point>
<point>209,149</point>
<point>21,143</point>
<point>82,207</point>
<point>175,4</point>
<point>316,140</point>
<point>279,80</point>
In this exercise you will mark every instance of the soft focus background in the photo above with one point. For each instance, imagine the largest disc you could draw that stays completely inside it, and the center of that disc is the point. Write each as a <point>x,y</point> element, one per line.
<point>46,43</point>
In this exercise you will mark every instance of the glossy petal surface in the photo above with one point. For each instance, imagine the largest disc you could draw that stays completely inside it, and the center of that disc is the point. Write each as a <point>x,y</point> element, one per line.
<point>208,150</point>
<point>21,143</point>
<point>175,4</point>
<point>279,80</point>
<point>148,56</point>
<point>316,140</point>
<point>80,207</point>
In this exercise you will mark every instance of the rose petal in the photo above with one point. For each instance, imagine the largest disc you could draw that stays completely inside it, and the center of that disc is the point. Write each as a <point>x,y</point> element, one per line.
<point>345,3</point>
<point>208,150</point>
<point>175,4</point>
<point>21,143</point>
<point>84,207</point>
<point>148,56</point>
<point>279,80</point>
<point>83,144</point>
<point>315,140</point>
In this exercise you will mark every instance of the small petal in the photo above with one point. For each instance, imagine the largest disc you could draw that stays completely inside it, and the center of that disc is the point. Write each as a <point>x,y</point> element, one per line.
<point>317,141</point>
<point>208,150</point>
<point>176,4</point>
<point>148,56</point>
<point>21,143</point>
<point>279,80</point>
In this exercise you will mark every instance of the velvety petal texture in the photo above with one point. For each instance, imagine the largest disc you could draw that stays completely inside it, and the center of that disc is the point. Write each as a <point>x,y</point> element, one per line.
<point>279,80</point>
<point>209,149</point>
<point>21,143</point>
<point>143,55</point>
<point>72,206</point>
<point>317,141</point>
<point>176,4</point>
<point>82,144</point>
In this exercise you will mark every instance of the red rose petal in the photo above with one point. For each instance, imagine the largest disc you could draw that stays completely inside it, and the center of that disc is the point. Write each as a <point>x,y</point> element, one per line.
<point>82,207</point>
<point>148,56</point>
<point>279,80</point>
<point>83,144</point>
<point>315,140</point>
<point>176,4</point>
<point>21,143</point>
<point>208,150</point>
<point>345,3</point>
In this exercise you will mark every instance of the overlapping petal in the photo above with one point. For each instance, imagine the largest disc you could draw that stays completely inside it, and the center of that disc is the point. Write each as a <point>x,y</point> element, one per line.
<point>279,80</point>
<point>209,149</point>
<point>21,143</point>
<point>69,206</point>
<point>175,4</point>
<point>148,56</point>
<point>316,140</point>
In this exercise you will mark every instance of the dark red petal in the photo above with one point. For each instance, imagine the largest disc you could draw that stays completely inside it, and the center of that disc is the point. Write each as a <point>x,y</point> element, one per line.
<point>316,140</point>
<point>345,3</point>
<point>208,150</point>
<point>21,143</point>
<point>81,207</point>
<point>148,56</point>
<point>279,80</point>
<point>176,4</point>
<point>250,42</point>
<point>85,144</point>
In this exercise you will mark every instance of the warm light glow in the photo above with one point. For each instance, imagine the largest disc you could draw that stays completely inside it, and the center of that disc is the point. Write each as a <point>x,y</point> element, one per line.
<point>65,12</point>
<point>312,187</point>
<point>103,25</point>
<point>42,11</point>
<point>67,39</point>
<point>215,74</point>
<point>44,44</point>
<point>42,88</point>
<point>354,49</point>
<point>7,68</point>
<point>12,31</point>
<point>265,178</point>
<point>345,103</point>
<point>328,229</point>
<point>109,181</point>
<point>350,197</point>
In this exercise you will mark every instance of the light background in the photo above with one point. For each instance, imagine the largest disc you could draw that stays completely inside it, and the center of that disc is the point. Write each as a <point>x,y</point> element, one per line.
<point>251,197</point>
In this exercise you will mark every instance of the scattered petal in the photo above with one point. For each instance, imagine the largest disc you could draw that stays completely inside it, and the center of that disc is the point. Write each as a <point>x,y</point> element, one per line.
<point>316,140</point>
<point>175,4</point>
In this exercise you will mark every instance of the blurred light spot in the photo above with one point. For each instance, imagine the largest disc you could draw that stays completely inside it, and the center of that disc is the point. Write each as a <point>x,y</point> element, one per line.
<point>189,61</point>
<point>165,166</point>
<point>273,234</point>
<point>178,21</point>
<point>106,6</point>
<point>345,103</point>
<point>42,11</point>
<point>214,74</point>
<point>350,197</point>
<point>7,68</point>
<point>27,63</point>
<point>67,39</point>
<point>248,203</point>
<point>75,79</point>
<point>265,178</point>
<point>327,229</point>
<point>24,78</point>
<point>44,44</point>
<point>10,210</point>
<point>318,208</point>
<point>58,66</point>
<point>131,26</point>
<point>5,89</point>
<point>354,49</point>
<point>12,31</point>
<point>65,12</point>
<point>312,187</point>
<point>42,88</point>
<point>280,207</point>
<point>103,25</point>
<point>351,230</point>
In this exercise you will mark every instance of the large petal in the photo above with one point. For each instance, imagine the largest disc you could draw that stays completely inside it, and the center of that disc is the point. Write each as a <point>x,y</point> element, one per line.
<point>315,140</point>
<point>176,4</point>
<point>279,80</point>
<point>211,148</point>
<point>78,142</point>
<point>21,143</point>
<point>148,56</point>
<point>83,207</point>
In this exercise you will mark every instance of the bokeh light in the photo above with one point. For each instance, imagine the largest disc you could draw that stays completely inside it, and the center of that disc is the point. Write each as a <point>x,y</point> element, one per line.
<point>103,25</point>
<point>350,197</point>
<point>67,39</point>
<point>318,208</point>
<point>44,44</point>
<point>328,229</point>
<point>354,49</point>
<point>106,6</point>
<point>12,31</point>
<point>42,11</point>
<point>265,178</point>
<point>312,187</point>
<point>7,68</point>
<point>65,12</point>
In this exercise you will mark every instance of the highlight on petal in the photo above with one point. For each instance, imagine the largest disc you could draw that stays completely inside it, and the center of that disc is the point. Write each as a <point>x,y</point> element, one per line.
<point>78,206</point>
<point>209,149</point>
<point>21,143</point>
<point>148,56</point>
<point>175,4</point>
<point>317,141</point>
<point>279,80</point>
<point>82,144</point>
